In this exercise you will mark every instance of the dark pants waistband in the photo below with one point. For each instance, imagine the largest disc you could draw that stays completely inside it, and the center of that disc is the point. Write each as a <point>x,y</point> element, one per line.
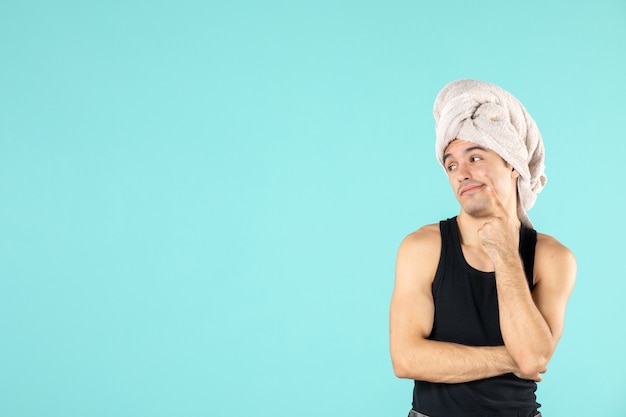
<point>414,413</point>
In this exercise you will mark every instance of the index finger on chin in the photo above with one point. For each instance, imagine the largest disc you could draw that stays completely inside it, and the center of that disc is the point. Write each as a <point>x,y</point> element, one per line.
<point>493,195</point>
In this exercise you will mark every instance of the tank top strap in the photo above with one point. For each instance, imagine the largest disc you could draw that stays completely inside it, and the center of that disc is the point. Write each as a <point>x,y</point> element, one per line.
<point>447,229</point>
<point>527,245</point>
<point>449,240</point>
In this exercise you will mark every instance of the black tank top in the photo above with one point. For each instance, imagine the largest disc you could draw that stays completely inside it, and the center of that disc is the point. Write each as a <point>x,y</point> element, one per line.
<point>466,312</point>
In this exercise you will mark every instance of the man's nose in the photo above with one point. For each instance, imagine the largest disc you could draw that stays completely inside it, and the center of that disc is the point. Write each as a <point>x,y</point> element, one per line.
<point>463,173</point>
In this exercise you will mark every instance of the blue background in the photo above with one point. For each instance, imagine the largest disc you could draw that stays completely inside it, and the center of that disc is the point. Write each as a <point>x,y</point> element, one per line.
<point>201,202</point>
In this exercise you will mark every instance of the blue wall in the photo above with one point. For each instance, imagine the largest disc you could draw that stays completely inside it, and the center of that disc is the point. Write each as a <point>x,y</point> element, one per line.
<point>201,202</point>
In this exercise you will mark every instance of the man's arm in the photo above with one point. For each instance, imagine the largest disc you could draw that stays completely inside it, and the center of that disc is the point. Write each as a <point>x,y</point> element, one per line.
<point>531,324</point>
<point>411,321</point>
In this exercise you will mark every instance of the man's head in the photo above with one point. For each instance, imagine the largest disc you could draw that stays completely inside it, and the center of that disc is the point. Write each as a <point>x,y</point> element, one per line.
<point>471,170</point>
<point>489,117</point>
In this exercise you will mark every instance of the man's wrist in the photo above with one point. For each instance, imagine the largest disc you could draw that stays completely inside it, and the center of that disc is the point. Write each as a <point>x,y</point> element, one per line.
<point>507,262</point>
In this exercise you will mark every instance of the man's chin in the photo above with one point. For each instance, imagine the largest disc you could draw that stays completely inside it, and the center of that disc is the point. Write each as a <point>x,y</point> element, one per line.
<point>478,211</point>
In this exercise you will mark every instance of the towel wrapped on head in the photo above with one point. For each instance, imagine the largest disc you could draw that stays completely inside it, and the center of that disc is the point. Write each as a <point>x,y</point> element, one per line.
<point>487,115</point>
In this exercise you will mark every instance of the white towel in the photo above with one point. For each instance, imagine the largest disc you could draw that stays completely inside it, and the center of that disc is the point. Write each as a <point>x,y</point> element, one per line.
<point>485,114</point>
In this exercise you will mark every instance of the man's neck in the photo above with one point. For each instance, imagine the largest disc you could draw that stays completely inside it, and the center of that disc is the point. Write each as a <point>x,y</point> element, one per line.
<point>469,226</point>
<point>468,229</point>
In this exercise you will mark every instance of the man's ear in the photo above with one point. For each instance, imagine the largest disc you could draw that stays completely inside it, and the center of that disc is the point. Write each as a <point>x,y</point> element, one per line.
<point>514,173</point>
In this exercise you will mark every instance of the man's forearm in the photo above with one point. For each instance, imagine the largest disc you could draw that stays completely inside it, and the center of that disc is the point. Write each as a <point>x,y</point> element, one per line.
<point>524,330</point>
<point>444,362</point>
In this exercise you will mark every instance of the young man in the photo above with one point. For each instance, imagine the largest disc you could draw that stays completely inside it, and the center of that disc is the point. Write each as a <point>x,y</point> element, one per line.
<point>479,299</point>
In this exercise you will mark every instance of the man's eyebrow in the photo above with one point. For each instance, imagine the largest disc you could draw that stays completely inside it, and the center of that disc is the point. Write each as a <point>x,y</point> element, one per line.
<point>468,150</point>
<point>475,148</point>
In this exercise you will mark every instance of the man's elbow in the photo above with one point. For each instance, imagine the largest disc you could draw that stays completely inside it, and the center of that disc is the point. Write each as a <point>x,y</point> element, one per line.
<point>532,364</point>
<point>400,370</point>
<point>401,367</point>
<point>532,360</point>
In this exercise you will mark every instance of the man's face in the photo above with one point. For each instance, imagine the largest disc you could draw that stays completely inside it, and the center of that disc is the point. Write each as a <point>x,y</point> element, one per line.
<point>471,168</point>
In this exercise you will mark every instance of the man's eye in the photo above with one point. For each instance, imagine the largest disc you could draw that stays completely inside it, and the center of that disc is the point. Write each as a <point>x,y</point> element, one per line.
<point>475,158</point>
<point>451,167</point>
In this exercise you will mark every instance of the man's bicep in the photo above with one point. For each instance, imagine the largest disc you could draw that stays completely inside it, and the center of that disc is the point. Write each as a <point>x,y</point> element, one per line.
<point>556,275</point>
<point>412,308</point>
<point>411,315</point>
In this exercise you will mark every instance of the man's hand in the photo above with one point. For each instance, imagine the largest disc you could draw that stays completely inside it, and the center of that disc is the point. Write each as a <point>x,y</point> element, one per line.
<point>499,235</point>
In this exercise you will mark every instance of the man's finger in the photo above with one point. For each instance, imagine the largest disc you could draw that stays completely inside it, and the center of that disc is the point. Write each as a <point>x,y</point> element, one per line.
<point>494,197</point>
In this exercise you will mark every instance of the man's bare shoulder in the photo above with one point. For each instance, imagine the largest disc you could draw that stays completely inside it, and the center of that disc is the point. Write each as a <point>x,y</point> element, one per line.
<point>553,258</point>
<point>423,244</point>
<point>417,261</point>
<point>550,247</point>
<point>426,235</point>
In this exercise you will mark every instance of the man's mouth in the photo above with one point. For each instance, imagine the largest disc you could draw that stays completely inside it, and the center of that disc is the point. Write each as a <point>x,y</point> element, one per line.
<point>470,188</point>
